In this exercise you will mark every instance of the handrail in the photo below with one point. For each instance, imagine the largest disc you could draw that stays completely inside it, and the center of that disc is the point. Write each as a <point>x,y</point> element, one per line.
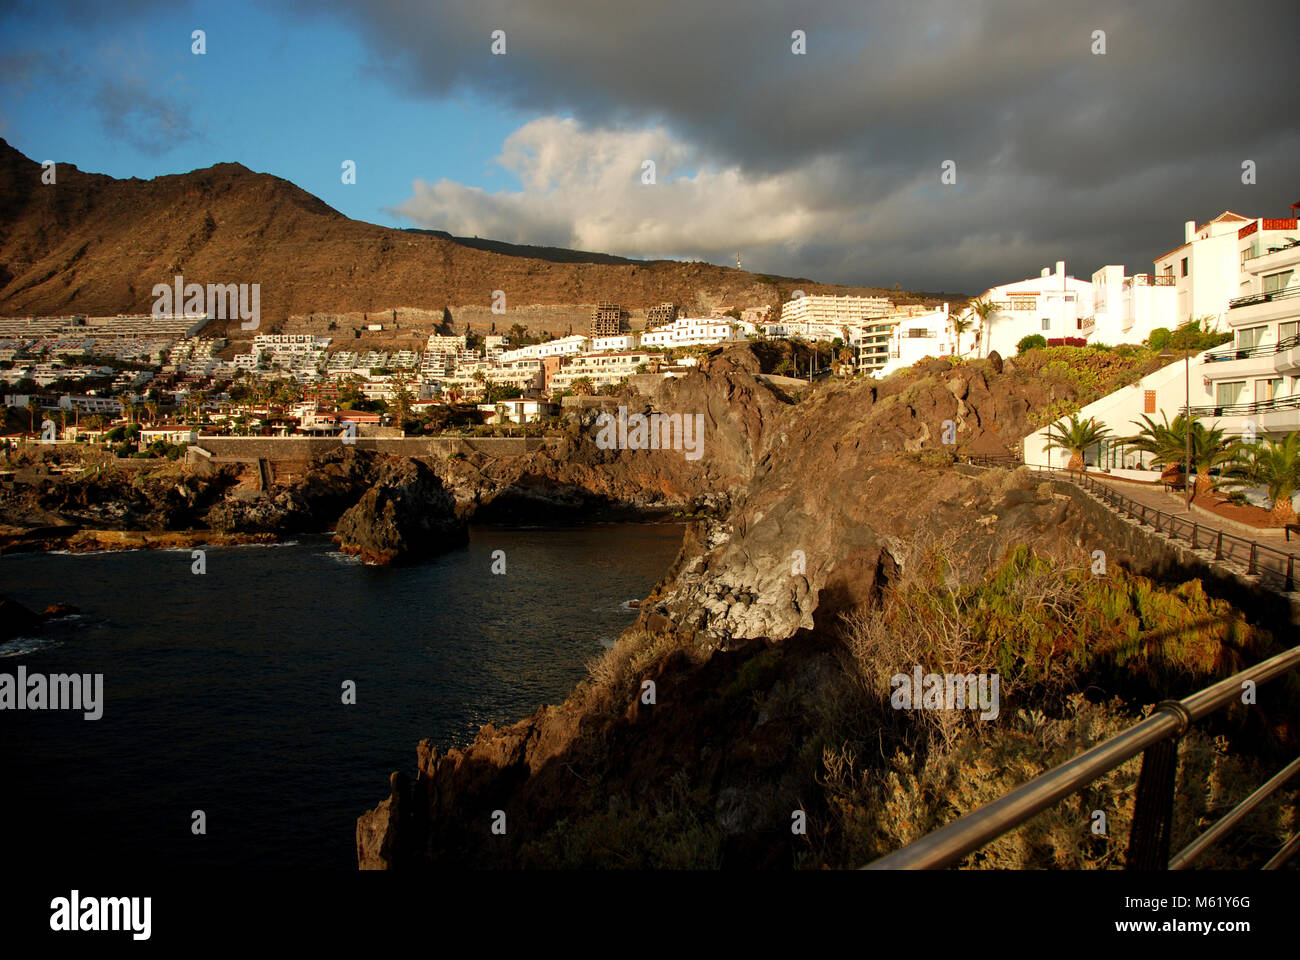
<point>1263,350</point>
<point>1241,409</point>
<point>1250,299</point>
<point>973,830</point>
<point>1275,568</point>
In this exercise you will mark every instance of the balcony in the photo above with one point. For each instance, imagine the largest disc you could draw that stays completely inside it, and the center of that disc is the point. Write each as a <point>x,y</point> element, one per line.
<point>1266,350</point>
<point>1151,280</point>
<point>1251,299</point>
<point>1279,415</point>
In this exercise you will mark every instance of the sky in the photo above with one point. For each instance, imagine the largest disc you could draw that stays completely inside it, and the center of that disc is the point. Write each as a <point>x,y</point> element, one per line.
<point>944,145</point>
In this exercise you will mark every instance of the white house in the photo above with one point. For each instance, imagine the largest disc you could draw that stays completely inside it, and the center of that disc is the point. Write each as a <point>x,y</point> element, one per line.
<point>913,338</point>
<point>622,342</point>
<point>1127,309</point>
<point>519,411</point>
<point>170,433</point>
<point>1053,305</point>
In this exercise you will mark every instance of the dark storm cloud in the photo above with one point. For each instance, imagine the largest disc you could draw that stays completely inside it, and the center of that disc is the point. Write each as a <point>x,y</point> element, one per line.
<point>1060,153</point>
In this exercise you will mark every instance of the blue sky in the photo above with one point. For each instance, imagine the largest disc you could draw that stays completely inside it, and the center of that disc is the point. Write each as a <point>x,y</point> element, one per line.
<point>288,95</point>
<point>823,162</point>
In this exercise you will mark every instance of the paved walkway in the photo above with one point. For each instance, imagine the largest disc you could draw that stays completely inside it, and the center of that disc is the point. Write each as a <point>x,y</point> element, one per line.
<point>1173,503</point>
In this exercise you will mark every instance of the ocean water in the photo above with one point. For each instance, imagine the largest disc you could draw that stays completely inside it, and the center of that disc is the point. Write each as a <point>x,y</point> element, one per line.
<point>223,691</point>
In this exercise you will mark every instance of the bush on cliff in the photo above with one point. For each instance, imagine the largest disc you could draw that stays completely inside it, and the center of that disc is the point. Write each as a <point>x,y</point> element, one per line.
<point>1049,630</point>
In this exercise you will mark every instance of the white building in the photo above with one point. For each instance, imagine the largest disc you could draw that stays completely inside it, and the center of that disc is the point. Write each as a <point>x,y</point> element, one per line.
<point>169,433</point>
<point>836,311</point>
<point>1254,382</point>
<point>563,347</point>
<point>1159,395</point>
<point>601,369</point>
<point>1207,266</point>
<point>696,331</point>
<point>1127,309</point>
<point>1053,305</point>
<point>914,338</point>
<point>445,344</point>
<point>622,342</point>
<point>519,411</point>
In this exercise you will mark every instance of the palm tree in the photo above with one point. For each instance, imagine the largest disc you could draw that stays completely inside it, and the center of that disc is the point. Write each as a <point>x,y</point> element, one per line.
<point>984,309</point>
<point>582,387</point>
<point>1075,436</point>
<point>959,326</point>
<point>1167,443</point>
<point>1272,464</point>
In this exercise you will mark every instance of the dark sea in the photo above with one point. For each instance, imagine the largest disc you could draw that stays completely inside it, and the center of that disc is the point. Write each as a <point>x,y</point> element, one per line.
<point>223,691</point>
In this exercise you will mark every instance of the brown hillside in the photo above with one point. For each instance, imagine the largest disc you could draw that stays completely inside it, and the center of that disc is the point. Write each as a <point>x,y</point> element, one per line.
<point>91,244</point>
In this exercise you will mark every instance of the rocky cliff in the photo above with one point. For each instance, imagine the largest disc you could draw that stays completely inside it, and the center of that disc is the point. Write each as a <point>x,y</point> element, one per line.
<point>748,696</point>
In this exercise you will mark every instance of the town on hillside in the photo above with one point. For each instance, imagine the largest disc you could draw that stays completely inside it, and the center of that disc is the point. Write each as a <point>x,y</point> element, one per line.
<point>1225,303</point>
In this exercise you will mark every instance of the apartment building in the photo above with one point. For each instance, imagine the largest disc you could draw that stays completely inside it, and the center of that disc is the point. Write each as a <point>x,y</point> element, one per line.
<point>563,347</point>
<point>1206,267</point>
<point>872,343</point>
<point>696,331</point>
<point>1127,308</point>
<point>601,369</point>
<point>836,311</point>
<point>914,338</point>
<point>1254,382</point>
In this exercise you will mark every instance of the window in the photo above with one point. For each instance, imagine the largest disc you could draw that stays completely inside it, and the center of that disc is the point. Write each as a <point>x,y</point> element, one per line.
<point>1229,392</point>
<point>1274,282</point>
<point>1266,390</point>
<point>1287,331</point>
<point>1184,266</point>
<point>1250,337</point>
<point>1149,401</point>
<point>1047,324</point>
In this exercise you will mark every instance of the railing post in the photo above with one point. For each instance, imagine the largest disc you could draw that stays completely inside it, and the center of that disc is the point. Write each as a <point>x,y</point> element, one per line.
<point>1153,813</point>
<point>1290,572</point>
<point>1254,551</point>
<point>1218,547</point>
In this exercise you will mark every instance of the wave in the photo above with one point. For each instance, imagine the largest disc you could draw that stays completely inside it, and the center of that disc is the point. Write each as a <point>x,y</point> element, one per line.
<point>21,646</point>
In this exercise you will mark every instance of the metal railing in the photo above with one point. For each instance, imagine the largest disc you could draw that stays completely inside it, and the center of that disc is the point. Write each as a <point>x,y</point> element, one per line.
<point>1244,409</point>
<point>1156,738</point>
<point>1243,353</point>
<point>1253,298</point>
<point>1274,568</point>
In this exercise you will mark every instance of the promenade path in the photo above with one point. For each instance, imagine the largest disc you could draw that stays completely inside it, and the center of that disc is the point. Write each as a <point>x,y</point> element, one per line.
<point>1173,503</point>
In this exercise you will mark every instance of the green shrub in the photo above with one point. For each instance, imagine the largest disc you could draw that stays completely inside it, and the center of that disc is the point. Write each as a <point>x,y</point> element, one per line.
<point>1030,342</point>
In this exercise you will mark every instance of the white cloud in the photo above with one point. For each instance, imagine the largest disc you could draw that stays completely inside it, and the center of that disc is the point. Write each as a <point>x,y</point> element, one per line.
<point>582,187</point>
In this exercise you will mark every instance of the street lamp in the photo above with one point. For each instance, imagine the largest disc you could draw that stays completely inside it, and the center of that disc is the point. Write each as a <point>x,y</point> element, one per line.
<point>1167,354</point>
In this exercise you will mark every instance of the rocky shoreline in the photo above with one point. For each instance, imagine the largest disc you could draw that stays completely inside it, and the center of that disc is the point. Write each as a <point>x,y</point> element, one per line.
<point>745,696</point>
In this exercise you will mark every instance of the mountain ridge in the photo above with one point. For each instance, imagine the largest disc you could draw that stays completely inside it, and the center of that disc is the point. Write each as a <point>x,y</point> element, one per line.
<point>96,245</point>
